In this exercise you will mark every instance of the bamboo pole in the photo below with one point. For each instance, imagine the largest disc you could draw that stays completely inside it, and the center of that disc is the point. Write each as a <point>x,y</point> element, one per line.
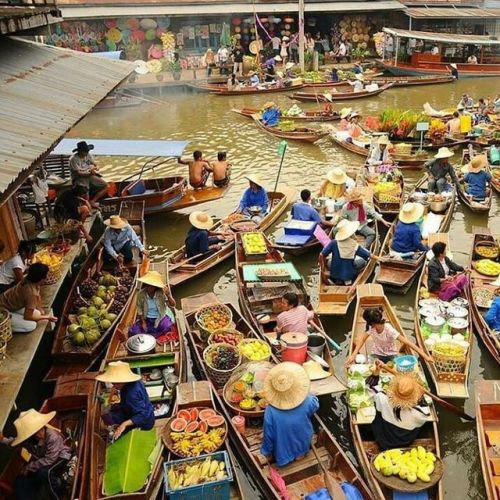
<point>301,36</point>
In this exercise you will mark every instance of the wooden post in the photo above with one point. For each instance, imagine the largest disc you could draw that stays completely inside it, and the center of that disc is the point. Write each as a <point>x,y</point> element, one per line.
<point>396,52</point>
<point>301,36</point>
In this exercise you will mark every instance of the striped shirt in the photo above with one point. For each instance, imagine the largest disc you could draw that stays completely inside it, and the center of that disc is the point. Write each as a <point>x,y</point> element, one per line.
<point>294,320</point>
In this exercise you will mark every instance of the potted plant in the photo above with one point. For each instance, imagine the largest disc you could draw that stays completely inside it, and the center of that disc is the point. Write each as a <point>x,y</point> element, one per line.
<point>175,69</point>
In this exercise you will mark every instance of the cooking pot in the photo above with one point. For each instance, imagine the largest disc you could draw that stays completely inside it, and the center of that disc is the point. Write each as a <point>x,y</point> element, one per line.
<point>460,302</point>
<point>458,325</point>
<point>457,312</point>
<point>435,323</point>
<point>142,343</point>
<point>438,206</point>
<point>294,347</point>
<point>316,344</point>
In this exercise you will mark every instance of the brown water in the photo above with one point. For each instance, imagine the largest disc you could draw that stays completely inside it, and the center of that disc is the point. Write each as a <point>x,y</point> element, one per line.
<point>207,121</point>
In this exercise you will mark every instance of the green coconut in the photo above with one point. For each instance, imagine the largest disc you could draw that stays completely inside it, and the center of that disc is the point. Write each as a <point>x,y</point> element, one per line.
<point>105,324</point>
<point>78,338</point>
<point>97,301</point>
<point>92,336</point>
<point>93,312</point>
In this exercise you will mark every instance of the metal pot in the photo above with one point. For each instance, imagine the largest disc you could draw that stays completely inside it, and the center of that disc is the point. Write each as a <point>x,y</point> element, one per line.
<point>458,325</point>
<point>438,206</point>
<point>142,343</point>
<point>457,312</point>
<point>435,323</point>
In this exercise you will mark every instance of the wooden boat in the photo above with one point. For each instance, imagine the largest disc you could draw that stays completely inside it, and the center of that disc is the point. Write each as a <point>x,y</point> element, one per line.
<point>288,87</point>
<point>253,303</point>
<point>295,250</point>
<point>370,296</point>
<point>488,432</point>
<point>397,275</point>
<point>72,403</point>
<point>495,179</point>
<point>409,81</point>
<point>369,75</point>
<point>482,207</point>
<point>480,281</point>
<point>433,67</point>
<point>301,476</point>
<point>307,116</point>
<point>448,385</point>
<point>303,134</point>
<point>339,96</point>
<point>182,269</point>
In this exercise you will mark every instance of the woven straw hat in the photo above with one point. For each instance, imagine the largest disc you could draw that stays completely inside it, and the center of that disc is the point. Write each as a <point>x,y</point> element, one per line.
<point>443,153</point>
<point>286,385</point>
<point>411,212</point>
<point>254,178</point>
<point>269,104</point>
<point>346,228</point>
<point>404,390</point>
<point>116,222</point>
<point>345,112</point>
<point>336,176</point>
<point>355,195</point>
<point>201,220</point>
<point>314,370</point>
<point>152,278</point>
<point>118,372</point>
<point>29,422</point>
<point>383,139</point>
<point>477,163</point>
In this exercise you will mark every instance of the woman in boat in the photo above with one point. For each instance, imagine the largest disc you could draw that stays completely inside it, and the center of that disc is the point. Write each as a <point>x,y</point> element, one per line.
<point>302,210</point>
<point>119,240</point>
<point>492,317</point>
<point>154,315</point>
<point>357,85</point>
<point>442,272</point>
<point>407,236</point>
<point>353,127</point>
<point>295,317</point>
<point>200,242</point>
<point>233,83</point>
<point>336,184</point>
<point>344,118</point>
<point>12,270</point>
<point>254,79</point>
<point>134,409</point>
<point>401,412</point>
<point>477,179</point>
<point>270,115</point>
<point>386,341</point>
<point>48,451</point>
<point>288,429</point>
<point>453,71</point>
<point>254,196</point>
<point>379,154</point>
<point>439,169</point>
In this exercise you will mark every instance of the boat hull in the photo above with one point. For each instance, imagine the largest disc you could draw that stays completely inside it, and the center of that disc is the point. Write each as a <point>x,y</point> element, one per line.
<point>464,70</point>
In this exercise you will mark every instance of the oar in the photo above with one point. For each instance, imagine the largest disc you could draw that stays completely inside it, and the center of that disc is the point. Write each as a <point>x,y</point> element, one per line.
<point>328,339</point>
<point>185,261</point>
<point>332,485</point>
<point>454,409</point>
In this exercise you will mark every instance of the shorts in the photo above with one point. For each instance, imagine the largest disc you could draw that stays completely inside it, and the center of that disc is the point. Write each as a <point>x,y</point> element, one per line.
<point>202,183</point>
<point>92,183</point>
<point>221,183</point>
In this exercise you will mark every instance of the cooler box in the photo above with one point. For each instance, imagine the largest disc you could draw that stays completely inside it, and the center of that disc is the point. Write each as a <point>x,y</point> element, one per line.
<point>300,228</point>
<point>293,240</point>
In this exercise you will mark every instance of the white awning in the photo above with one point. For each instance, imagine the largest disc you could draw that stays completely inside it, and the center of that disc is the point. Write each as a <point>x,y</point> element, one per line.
<point>451,38</point>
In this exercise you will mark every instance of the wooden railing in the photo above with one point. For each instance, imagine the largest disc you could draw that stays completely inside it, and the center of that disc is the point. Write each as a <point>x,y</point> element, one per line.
<point>445,3</point>
<point>24,3</point>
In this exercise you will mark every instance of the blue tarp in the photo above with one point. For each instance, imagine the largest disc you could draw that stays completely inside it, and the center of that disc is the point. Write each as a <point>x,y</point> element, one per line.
<point>112,147</point>
<point>115,54</point>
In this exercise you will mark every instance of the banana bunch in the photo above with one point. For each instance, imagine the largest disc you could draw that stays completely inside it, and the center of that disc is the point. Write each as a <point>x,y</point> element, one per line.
<point>193,444</point>
<point>202,471</point>
<point>411,465</point>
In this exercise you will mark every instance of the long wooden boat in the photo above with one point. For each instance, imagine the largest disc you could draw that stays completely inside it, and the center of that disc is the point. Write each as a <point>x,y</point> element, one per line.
<point>372,296</point>
<point>301,476</point>
<point>487,394</point>
<point>307,116</point>
<point>482,207</point>
<point>423,68</point>
<point>409,81</point>
<point>339,96</point>
<point>397,275</point>
<point>480,281</point>
<point>183,269</point>
<point>303,134</point>
<point>254,304</point>
<point>297,250</point>
<point>72,403</point>
<point>257,90</point>
<point>448,385</point>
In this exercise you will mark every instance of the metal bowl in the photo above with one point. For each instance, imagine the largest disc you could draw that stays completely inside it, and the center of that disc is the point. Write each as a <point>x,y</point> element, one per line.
<point>255,209</point>
<point>438,206</point>
<point>141,343</point>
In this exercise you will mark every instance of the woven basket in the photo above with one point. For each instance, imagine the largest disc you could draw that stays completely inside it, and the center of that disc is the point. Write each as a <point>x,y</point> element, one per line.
<point>447,364</point>
<point>5,326</point>
<point>247,360</point>
<point>219,377</point>
<point>3,350</point>
<point>205,330</point>
<point>222,331</point>
<point>55,270</point>
<point>491,245</point>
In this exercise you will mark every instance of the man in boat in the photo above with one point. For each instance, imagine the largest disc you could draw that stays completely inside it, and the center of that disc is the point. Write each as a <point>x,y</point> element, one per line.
<point>48,452</point>
<point>199,170</point>
<point>336,184</point>
<point>466,102</point>
<point>357,84</point>
<point>295,317</point>
<point>288,429</point>
<point>472,59</point>
<point>271,114</point>
<point>84,172</point>
<point>435,50</point>
<point>200,242</point>
<point>454,71</point>
<point>254,79</point>
<point>407,236</point>
<point>439,169</point>
<point>221,170</point>
<point>73,204</point>
<point>302,210</point>
<point>453,126</point>
<point>254,202</point>
<point>355,209</point>
<point>270,68</point>
<point>334,75</point>
<point>379,154</point>
<point>477,179</point>
<point>134,409</point>
<point>119,240</point>
<point>358,69</point>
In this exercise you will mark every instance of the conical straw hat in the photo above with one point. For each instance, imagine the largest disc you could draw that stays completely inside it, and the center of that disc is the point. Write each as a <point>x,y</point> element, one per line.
<point>411,212</point>
<point>336,176</point>
<point>116,222</point>
<point>286,385</point>
<point>152,278</point>
<point>201,220</point>
<point>254,178</point>
<point>477,163</point>
<point>118,372</point>
<point>29,422</point>
<point>405,391</point>
<point>443,153</point>
<point>346,228</point>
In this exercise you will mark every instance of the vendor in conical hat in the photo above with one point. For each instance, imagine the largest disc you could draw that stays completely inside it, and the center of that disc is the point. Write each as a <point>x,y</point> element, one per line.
<point>46,446</point>
<point>407,238</point>
<point>255,198</point>
<point>271,114</point>
<point>154,315</point>
<point>439,170</point>
<point>344,118</point>
<point>288,429</point>
<point>119,240</point>
<point>200,240</point>
<point>336,184</point>
<point>357,84</point>
<point>134,409</point>
<point>477,178</point>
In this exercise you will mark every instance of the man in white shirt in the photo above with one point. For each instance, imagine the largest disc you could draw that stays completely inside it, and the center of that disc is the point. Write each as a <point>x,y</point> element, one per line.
<point>342,50</point>
<point>276,42</point>
<point>222,56</point>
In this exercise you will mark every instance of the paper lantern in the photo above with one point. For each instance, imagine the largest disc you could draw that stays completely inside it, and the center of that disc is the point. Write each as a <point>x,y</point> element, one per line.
<point>150,34</point>
<point>287,26</point>
<point>289,20</point>
<point>137,36</point>
<point>114,35</point>
<point>156,52</point>
<point>126,35</point>
<point>133,23</point>
<point>164,22</point>
<point>121,23</point>
<point>248,20</point>
<point>236,21</point>
<point>148,24</point>
<point>110,23</point>
<point>237,29</point>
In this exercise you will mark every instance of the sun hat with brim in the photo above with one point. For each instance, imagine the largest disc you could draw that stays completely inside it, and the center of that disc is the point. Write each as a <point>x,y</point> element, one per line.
<point>404,390</point>
<point>383,139</point>
<point>359,77</point>
<point>118,372</point>
<point>286,385</point>
<point>152,278</point>
<point>345,112</point>
<point>269,104</point>
<point>254,178</point>
<point>354,114</point>
<point>443,153</point>
<point>115,222</point>
<point>83,146</point>
<point>346,228</point>
<point>328,97</point>
<point>477,164</point>
<point>453,65</point>
<point>411,212</point>
<point>314,370</point>
<point>29,422</point>
<point>201,220</point>
<point>336,176</point>
<point>355,195</point>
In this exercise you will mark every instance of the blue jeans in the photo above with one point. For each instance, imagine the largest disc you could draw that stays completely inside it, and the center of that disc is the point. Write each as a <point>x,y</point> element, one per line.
<point>126,251</point>
<point>438,186</point>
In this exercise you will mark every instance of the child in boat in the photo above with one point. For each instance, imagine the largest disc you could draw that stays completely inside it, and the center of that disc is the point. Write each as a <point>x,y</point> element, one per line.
<point>385,339</point>
<point>407,236</point>
<point>477,178</point>
<point>221,170</point>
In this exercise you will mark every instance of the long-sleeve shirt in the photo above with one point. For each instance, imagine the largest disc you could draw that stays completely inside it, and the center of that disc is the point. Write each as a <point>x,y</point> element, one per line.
<point>114,240</point>
<point>288,433</point>
<point>439,169</point>
<point>436,272</point>
<point>408,238</point>
<point>476,183</point>
<point>49,451</point>
<point>252,198</point>
<point>271,117</point>
<point>342,269</point>
<point>136,406</point>
<point>492,317</point>
<point>351,213</point>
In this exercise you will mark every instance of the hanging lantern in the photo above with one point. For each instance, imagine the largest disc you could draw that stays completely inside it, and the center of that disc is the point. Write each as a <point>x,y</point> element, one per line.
<point>114,35</point>
<point>236,21</point>
<point>133,23</point>
<point>237,29</point>
<point>137,36</point>
<point>148,24</point>
<point>150,34</point>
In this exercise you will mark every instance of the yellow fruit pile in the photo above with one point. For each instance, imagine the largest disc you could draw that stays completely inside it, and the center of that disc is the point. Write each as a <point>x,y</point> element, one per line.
<point>202,471</point>
<point>411,465</point>
<point>488,267</point>
<point>193,444</point>
<point>256,350</point>
<point>254,243</point>
<point>47,258</point>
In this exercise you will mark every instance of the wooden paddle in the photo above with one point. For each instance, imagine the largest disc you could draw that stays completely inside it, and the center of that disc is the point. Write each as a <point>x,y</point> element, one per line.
<point>454,409</point>
<point>332,485</point>
<point>185,261</point>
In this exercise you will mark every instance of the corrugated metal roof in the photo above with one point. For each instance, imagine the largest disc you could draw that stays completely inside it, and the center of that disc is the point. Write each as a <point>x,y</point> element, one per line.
<point>44,92</point>
<point>443,37</point>
<point>450,13</point>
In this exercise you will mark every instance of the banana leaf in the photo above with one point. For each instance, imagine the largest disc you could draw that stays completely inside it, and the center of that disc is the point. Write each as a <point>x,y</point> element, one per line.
<point>129,461</point>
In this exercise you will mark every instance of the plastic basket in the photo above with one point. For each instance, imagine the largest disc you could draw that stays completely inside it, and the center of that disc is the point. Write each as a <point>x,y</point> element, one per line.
<point>406,364</point>
<point>5,325</point>
<point>219,377</point>
<point>247,341</point>
<point>214,490</point>
<point>201,316</point>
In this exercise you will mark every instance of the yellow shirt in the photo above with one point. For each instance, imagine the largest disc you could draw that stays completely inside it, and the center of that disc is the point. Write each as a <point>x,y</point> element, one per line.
<point>334,191</point>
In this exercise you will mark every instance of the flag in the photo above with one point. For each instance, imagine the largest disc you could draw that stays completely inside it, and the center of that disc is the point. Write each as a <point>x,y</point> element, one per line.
<point>282,148</point>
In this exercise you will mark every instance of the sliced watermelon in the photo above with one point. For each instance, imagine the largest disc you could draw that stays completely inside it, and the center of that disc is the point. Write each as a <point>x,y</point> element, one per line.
<point>192,427</point>
<point>185,414</point>
<point>203,427</point>
<point>206,413</point>
<point>215,421</point>
<point>178,424</point>
<point>194,414</point>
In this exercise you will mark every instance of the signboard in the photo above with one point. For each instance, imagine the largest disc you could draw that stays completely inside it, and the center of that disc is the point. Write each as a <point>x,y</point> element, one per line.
<point>422,126</point>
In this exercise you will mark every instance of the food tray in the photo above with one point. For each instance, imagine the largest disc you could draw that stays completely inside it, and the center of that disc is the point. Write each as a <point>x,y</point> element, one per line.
<point>281,274</point>
<point>474,265</point>
<point>250,271</point>
<point>490,245</point>
<point>488,293</point>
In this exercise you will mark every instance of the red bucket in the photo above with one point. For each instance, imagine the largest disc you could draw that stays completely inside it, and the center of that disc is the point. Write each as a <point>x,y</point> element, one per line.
<point>294,347</point>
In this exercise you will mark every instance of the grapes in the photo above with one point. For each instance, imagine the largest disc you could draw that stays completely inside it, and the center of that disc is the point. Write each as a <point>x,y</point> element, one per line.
<point>224,358</point>
<point>88,287</point>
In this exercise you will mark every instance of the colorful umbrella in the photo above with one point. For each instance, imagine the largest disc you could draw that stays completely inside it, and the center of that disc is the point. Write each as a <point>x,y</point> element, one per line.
<point>110,23</point>
<point>148,24</point>
<point>133,23</point>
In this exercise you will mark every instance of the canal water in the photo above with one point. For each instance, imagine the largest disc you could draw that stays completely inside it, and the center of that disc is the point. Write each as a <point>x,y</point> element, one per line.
<point>209,124</point>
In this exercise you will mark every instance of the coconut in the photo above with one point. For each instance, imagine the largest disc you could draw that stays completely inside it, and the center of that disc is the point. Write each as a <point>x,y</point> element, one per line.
<point>74,328</point>
<point>105,324</point>
<point>78,338</point>
<point>92,336</point>
<point>97,301</point>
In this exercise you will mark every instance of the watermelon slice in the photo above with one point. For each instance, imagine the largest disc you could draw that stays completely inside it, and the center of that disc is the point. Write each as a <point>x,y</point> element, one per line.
<point>184,414</point>
<point>207,413</point>
<point>178,424</point>
<point>215,421</point>
<point>192,427</point>
<point>203,427</point>
<point>194,414</point>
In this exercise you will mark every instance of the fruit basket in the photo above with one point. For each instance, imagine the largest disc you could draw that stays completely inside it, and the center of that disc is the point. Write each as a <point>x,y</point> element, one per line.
<point>53,261</point>
<point>449,359</point>
<point>483,296</point>
<point>254,244</point>
<point>194,431</point>
<point>243,226</point>
<point>221,360</point>
<point>5,325</point>
<point>254,350</point>
<point>212,318</point>
<point>487,267</point>
<point>487,250</point>
<point>226,336</point>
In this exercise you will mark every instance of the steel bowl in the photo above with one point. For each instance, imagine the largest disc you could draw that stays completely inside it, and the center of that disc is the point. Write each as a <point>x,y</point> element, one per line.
<point>141,343</point>
<point>438,206</point>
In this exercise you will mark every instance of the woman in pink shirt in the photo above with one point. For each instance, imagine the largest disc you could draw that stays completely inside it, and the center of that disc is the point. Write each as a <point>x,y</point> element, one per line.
<point>294,318</point>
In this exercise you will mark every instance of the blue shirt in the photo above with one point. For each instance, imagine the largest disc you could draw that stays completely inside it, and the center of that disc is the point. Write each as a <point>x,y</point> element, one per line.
<point>251,198</point>
<point>136,406</point>
<point>304,211</point>
<point>288,433</point>
<point>492,317</point>
<point>408,238</point>
<point>196,242</point>
<point>271,117</point>
<point>343,269</point>
<point>115,240</point>
<point>153,311</point>
<point>476,183</point>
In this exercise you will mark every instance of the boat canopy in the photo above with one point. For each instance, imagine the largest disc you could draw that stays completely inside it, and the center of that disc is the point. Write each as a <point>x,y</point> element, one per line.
<point>121,147</point>
<point>451,38</point>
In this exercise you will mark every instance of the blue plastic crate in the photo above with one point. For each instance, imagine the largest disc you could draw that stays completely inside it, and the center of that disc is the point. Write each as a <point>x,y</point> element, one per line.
<point>300,227</point>
<point>215,490</point>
